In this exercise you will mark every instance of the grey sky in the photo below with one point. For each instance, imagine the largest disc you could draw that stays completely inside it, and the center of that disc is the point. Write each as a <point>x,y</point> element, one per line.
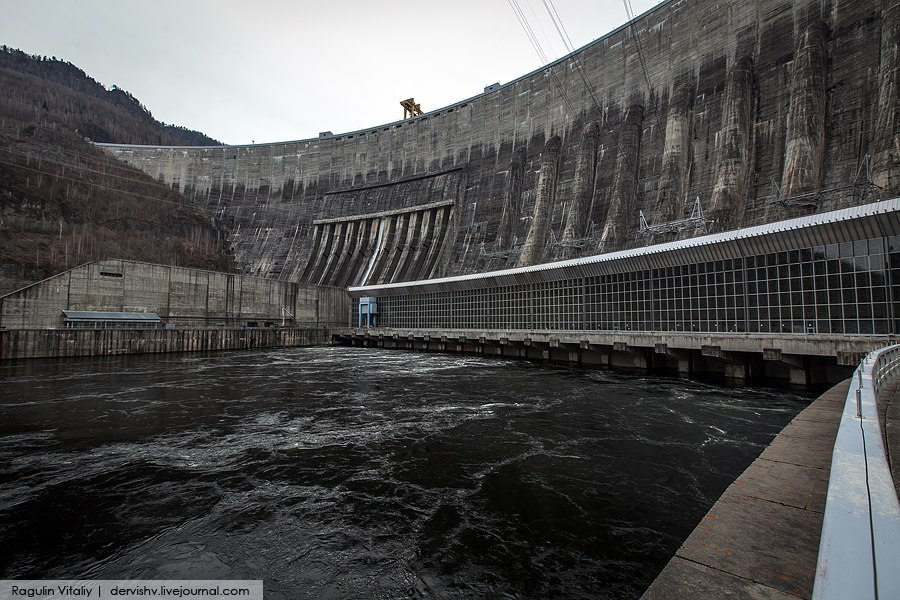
<point>273,70</point>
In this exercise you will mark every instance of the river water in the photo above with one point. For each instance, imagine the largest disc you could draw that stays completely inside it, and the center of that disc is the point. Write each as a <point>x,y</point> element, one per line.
<point>361,473</point>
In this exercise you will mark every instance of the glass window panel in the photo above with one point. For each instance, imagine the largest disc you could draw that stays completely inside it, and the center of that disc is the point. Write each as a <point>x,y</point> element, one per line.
<point>819,267</point>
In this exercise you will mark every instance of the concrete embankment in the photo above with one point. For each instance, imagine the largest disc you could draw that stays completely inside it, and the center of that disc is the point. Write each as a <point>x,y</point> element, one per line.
<point>761,539</point>
<point>50,343</point>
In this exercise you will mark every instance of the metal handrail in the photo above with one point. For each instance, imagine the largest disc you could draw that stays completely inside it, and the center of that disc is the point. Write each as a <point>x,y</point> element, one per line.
<point>859,549</point>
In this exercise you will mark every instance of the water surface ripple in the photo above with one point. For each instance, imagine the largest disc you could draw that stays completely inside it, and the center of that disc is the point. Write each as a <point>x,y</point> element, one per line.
<point>359,473</point>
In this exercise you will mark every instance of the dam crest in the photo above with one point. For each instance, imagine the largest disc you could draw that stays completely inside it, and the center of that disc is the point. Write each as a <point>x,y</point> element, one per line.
<point>759,111</point>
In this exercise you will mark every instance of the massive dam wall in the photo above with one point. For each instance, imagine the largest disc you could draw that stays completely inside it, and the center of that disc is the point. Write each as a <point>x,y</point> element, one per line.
<point>753,110</point>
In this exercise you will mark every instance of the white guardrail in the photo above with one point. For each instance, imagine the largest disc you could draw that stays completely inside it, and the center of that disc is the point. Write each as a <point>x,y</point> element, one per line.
<point>859,552</point>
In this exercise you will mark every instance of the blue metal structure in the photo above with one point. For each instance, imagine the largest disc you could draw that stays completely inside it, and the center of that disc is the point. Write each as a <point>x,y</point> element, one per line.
<point>368,312</point>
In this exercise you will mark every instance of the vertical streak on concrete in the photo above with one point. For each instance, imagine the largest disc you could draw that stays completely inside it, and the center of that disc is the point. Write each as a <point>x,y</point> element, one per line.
<point>622,209</point>
<point>363,252</point>
<point>339,273</point>
<point>394,249</point>
<point>408,272</point>
<point>886,151</point>
<point>376,251</point>
<point>512,205</point>
<point>805,151</point>
<point>340,240</point>
<point>585,172</point>
<point>316,247</point>
<point>325,251</point>
<point>442,218</point>
<point>399,272</point>
<point>405,239</point>
<point>383,252</point>
<point>676,162</point>
<point>734,150</point>
<point>546,190</point>
<point>414,269</point>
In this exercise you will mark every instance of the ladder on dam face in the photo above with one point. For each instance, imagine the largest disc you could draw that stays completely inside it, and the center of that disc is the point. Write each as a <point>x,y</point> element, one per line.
<point>696,218</point>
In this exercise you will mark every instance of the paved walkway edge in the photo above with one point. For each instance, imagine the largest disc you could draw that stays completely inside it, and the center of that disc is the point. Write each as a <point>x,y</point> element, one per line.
<point>761,539</point>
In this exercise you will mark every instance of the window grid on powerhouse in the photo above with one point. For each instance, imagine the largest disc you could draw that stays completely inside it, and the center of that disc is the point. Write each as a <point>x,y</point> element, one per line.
<point>847,288</point>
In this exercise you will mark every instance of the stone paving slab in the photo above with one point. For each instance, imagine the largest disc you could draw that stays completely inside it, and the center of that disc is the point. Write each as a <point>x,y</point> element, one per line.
<point>792,485</point>
<point>758,540</point>
<point>808,430</point>
<point>761,539</point>
<point>810,451</point>
<point>695,581</point>
<point>823,413</point>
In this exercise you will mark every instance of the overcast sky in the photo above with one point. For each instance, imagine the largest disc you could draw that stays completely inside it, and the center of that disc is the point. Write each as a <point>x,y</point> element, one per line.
<point>275,70</point>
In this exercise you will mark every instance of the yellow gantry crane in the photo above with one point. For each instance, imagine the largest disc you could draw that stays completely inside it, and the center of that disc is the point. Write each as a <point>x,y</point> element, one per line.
<point>410,108</point>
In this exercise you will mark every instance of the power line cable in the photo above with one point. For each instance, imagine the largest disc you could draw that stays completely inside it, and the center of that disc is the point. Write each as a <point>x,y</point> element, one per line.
<point>285,221</point>
<point>637,42</point>
<point>76,166</point>
<point>548,43</point>
<point>529,32</point>
<point>560,28</point>
<point>557,22</point>
<point>186,204</point>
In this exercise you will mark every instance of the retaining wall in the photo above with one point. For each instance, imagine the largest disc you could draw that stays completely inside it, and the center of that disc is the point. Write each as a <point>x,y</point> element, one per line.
<point>59,343</point>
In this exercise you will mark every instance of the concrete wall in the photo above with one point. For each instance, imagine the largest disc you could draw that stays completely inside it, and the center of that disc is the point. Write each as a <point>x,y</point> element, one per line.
<point>66,343</point>
<point>181,296</point>
<point>737,102</point>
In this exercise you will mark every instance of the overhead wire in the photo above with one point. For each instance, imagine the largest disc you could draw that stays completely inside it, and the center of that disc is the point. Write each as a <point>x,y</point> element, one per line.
<point>106,162</point>
<point>637,42</point>
<point>97,185</point>
<point>79,167</point>
<point>567,43</point>
<point>282,220</point>
<point>529,33</point>
<point>538,27</point>
<point>557,22</point>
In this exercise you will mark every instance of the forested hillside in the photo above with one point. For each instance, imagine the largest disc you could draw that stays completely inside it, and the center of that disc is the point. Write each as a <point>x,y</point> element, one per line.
<point>48,90</point>
<point>64,202</point>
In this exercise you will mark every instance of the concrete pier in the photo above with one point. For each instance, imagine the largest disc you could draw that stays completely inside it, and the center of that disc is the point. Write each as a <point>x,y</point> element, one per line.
<point>761,539</point>
<point>797,359</point>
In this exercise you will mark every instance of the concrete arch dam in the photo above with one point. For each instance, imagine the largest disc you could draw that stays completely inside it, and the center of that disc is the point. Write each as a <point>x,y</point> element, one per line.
<point>759,111</point>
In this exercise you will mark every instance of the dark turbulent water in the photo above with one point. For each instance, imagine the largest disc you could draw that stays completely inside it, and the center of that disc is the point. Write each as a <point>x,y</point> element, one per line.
<point>354,473</point>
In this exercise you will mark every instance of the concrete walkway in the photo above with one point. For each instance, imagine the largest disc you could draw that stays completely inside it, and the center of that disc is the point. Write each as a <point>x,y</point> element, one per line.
<point>761,539</point>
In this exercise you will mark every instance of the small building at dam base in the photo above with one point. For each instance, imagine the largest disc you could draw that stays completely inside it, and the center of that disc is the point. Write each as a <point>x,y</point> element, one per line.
<point>124,307</point>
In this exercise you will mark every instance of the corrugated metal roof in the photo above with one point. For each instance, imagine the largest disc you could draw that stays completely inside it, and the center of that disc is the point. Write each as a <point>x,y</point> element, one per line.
<point>780,227</point>
<point>99,315</point>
